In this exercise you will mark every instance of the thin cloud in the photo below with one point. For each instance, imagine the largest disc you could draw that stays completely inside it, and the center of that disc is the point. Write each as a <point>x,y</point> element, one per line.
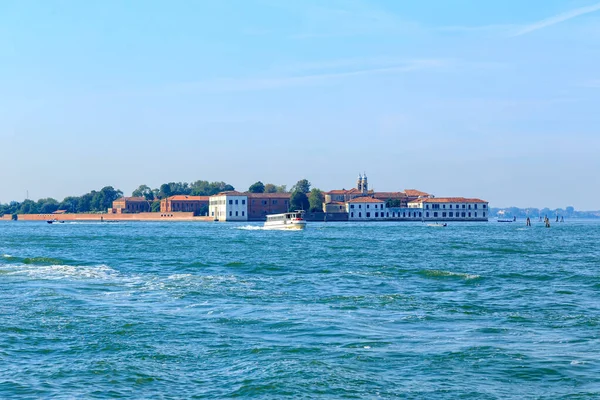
<point>557,19</point>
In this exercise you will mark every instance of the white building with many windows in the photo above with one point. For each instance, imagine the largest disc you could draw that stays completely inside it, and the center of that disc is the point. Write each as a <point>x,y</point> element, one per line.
<point>229,206</point>
<point>365,209</point>
<point>451,209</point>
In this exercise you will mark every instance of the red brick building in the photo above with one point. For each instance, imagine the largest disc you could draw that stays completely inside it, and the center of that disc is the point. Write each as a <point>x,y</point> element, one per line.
<point>127,205</point>
<point>183,203</point>
<point>261,204</point>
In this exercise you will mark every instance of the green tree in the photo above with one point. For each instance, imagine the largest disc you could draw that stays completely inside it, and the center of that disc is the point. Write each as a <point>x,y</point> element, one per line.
<point>271,188</point>
<point>155,206</point>
<point>165,191</point>
<point>47,206</point>
<point>299,201</point>
<point>302,185</point>
<point>393,203</point>
<point>28,207</point>
<point>204,188</point>
<point>315,200</point>
<point>257,187</point>
<point>143,191</point>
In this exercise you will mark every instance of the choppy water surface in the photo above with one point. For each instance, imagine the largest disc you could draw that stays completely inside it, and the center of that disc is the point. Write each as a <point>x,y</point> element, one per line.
<point>209,310</point>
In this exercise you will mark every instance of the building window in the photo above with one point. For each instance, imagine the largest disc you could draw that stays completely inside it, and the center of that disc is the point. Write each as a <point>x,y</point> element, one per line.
<point>443,215</point>
<point>368,206</point>
<point>427,206</point>
<point>242,212</point>
<point>236,214</point>
<point>475,214</point>
<point>359,215</point>
<point>444,206</point>
<point>420,214</point>
<point>469,215</point>
<point>230,201</point>
<point>484,214</point>
<point>230,213</point>
<point>352,215</point>
<point>376,214</point>
<point>463,214</point>
<point>484,206</point>
<point>404,214</point>
<point>360,206</point>
<point>450,205</point>
<point>475,206</point>
<point>451,214</point>
<point>435,214</point>
<point>469,206</point>
<point>368,215</point>
<point>236,201</point>
<point>351,205</point>
<point>427,215</point>
<point>388,215</point>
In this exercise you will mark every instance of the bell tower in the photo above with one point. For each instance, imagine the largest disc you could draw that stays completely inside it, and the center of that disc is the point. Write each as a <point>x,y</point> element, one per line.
<point>359,183</point>
<point>365,185</point>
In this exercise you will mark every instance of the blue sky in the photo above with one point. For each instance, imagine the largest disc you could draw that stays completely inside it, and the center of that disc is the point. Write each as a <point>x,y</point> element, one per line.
<point>490,99</point>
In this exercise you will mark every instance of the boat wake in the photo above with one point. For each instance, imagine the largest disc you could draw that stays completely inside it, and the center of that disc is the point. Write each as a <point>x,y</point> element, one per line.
<point>56,272</point>
<point>251,228</point>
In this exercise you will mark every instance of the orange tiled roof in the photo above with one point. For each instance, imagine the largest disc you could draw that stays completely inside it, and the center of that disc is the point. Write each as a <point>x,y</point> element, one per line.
<point>365,200</point>
<point>389,195</point>
<point>182,197</point>
<point>268,195</point>
<point>448,200</point>
<point>131,199</point>
<point>413,192</point>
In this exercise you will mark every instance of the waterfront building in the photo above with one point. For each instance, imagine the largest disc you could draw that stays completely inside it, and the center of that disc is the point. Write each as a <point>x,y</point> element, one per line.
<point>335,207</point>
<point>229,206</point>
<point>183,203</point>
<point>451,208</point>
<point>125,205</point>
<point>365,209</point>
<point>262,204</point>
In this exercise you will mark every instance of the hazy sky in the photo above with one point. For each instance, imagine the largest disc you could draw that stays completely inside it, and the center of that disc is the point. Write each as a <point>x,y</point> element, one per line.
<point>495,99</point>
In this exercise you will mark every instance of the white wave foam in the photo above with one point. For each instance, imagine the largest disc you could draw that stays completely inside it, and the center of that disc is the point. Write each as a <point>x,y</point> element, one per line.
<point>250,228</point>
<point>6,256</point>
<point>52,272</point>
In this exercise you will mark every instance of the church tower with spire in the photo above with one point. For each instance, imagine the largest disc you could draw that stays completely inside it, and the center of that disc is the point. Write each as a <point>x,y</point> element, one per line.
<point>364,185</point>
<point>359,182</point>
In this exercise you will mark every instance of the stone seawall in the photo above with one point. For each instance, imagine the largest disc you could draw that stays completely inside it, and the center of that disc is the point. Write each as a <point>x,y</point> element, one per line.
<point>150,216</point>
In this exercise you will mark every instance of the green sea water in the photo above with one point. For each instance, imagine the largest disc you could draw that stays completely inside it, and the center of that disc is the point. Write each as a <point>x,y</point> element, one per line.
<point>341,310</point>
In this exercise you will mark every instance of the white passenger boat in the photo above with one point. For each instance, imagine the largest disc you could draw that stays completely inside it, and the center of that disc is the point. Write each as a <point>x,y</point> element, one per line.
<point>438,225</point>
<point>290,220</point>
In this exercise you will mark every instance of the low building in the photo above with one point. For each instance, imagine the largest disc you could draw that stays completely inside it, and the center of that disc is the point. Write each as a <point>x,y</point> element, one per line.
<point>412,194</point>
<point>262,204</point>
<point>126,205</point>
<point>365,209</point>
<point>451,209</point>
<point>334,207</point>
<point>183,203</point>
<point>229,206</point>
<point>400,198</point>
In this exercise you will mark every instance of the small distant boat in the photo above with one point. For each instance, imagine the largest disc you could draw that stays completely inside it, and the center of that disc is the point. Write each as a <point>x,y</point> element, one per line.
<point>438,225</point>
<point>52,221</point>
<point>505,220</point>
<point>287,221</point>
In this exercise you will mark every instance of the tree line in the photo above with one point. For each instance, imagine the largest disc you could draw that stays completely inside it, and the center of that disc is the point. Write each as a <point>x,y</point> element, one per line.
<point>302,197</point>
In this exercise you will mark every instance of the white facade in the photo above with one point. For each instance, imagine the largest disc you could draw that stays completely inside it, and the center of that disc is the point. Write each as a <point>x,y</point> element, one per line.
<point>366,209</point>
<point>452,209</point>
<point>229,206</point>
